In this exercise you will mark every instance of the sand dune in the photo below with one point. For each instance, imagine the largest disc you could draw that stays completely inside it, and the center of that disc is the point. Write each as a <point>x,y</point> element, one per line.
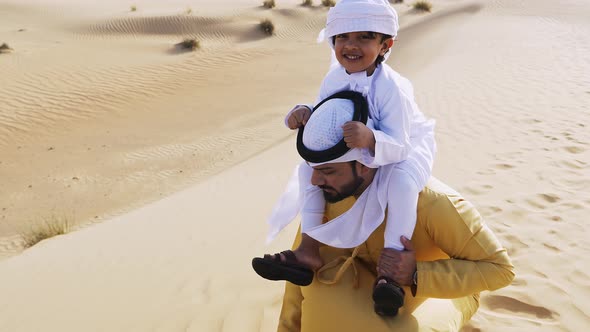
<point>121,84</point>
<point>102,119</point>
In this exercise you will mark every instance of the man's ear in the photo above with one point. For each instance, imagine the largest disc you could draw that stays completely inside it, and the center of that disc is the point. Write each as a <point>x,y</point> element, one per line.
<point>362,170</point>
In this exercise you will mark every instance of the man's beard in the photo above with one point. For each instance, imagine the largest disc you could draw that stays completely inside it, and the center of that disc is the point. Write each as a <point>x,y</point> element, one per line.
<point>347,190</point>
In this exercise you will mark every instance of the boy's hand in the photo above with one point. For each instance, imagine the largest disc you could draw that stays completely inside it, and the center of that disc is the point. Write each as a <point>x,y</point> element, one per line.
<point>299,117</point>
<point>357,135</point>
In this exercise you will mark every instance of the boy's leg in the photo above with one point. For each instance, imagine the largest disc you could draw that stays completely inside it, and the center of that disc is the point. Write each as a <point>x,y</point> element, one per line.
<point>401,219</point>
<point>298,265</point>
<point>402,206</point>
<point>312,214</point>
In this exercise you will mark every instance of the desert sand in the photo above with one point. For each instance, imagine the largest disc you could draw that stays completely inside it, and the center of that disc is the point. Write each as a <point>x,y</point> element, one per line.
<point>166,163</point>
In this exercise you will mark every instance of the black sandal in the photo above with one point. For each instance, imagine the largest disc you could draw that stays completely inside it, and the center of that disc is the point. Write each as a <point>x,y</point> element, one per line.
<point>271,267</point>
<point>388,297</point>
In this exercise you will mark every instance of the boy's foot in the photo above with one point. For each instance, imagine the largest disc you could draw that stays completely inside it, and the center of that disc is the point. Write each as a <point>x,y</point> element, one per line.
<point>283,266</point>
<point>388,296</point>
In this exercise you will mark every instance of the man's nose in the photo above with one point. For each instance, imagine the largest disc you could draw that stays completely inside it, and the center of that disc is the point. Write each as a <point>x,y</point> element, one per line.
<point>316,178</point>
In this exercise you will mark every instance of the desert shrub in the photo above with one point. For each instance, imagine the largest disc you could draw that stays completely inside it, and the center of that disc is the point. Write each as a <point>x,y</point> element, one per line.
<point>4,48</point>
<point>424,6</point>
<point>46,229</point>
<point>307,3</point>
<point>133,8</point>
<point>267,27</point>
<point>189,44</point>
<point>329,3</point>
<point>269,4</point>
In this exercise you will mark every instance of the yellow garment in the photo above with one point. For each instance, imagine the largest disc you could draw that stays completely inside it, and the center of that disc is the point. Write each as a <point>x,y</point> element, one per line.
<point>458,256</point>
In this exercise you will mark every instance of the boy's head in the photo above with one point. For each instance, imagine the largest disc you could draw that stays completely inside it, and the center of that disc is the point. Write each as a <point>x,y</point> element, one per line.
<point>361,51</point>
<point>375,17</point>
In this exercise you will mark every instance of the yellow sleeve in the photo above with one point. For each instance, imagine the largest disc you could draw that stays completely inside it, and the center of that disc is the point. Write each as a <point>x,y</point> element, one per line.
<point>478,260</point>
<point>290,318</point>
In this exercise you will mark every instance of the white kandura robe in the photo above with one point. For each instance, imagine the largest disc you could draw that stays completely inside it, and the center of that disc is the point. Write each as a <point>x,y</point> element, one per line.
<point>404,140</point>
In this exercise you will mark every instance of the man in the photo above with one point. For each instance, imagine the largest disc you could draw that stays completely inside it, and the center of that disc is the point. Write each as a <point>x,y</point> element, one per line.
<point>452,254</point>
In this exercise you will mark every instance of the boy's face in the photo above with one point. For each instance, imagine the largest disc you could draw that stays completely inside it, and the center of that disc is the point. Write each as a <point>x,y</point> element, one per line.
<point>357,51</point>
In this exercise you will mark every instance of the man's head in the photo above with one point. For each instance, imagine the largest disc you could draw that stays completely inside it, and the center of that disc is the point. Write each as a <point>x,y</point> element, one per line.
<point>338,170</point>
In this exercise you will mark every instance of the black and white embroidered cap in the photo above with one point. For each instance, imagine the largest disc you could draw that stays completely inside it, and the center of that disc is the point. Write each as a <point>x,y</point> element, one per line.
<point>321,140</point>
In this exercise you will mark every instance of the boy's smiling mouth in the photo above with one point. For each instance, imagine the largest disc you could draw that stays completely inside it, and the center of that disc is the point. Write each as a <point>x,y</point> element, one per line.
<point>352,57</point>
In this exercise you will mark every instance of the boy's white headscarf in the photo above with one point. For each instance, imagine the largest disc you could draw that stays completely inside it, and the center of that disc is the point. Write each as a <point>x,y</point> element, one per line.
<point>360,15</point>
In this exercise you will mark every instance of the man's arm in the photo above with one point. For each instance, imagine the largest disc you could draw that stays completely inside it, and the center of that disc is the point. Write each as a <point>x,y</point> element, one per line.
<point>478,260</point>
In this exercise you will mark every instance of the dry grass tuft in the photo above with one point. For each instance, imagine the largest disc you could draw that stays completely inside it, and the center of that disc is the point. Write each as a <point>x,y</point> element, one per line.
<point>423,6</point>
<point>396,1</point>
<point>4,48</point>
<point>307,3</point>
<point>269,4</point>
<point>328,3</point>
<point>267,27</point>
<point>46,229</point>
<point>189,44</point>
<point>133,8</point>
<point>189,11</point>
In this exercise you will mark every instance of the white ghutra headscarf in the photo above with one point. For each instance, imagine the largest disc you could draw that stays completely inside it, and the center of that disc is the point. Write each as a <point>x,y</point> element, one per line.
<point>316,142</point>
<point>360,15</point>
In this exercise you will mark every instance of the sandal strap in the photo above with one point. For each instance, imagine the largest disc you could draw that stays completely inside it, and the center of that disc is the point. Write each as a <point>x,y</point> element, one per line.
<point>387,279</point>
<point>289,256</point>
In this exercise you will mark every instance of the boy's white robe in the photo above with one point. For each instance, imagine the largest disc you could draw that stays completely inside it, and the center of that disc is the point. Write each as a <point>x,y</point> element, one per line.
<point>408,145</point>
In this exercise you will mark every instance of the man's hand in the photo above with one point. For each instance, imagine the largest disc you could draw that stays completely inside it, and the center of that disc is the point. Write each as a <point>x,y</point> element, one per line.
<point>298,117</point>
<point>357,135</point>
<point>398,265</point>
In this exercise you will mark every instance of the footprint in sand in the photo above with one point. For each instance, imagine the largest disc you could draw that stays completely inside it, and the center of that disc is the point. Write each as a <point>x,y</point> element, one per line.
<point>574,149</point>
<point>576,164</point>
<point>535,204</point>
<point>489,171</point>
<point>541,200</point>
<point>533,120</point>
<point>499,302</point>
<point>550,198</point>
<point>573,206</point>
<point>551,247</point>
<point>514,244</point>
<point>504,166</point>
<point>579,277</point>
<point>490,210</point>
<point>477,190</point>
